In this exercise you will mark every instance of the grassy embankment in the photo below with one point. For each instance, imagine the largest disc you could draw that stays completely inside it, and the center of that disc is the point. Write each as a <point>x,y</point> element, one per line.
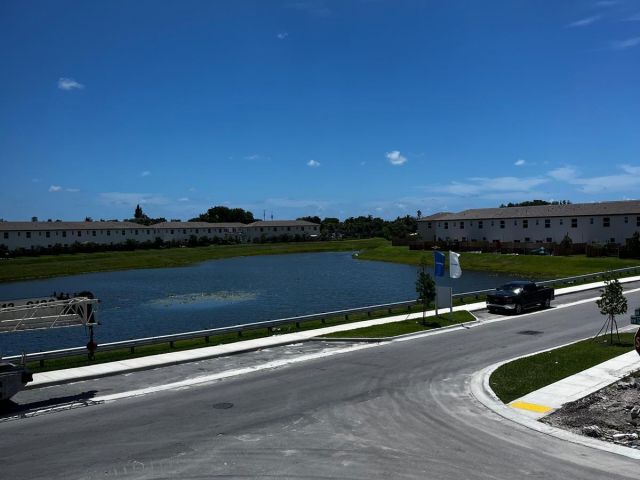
<point>407,326</point>
<point>389,330</point>
<point>529,266</point>
<point>45,266</point>
<point>516,379</point>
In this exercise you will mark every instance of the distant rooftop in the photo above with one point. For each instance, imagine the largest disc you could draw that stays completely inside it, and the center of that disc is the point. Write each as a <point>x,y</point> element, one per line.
<point>627,207</point>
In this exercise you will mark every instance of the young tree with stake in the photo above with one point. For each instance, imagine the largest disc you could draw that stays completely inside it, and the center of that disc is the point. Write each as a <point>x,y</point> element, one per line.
<point>425,287</point>
<point>611,303</point>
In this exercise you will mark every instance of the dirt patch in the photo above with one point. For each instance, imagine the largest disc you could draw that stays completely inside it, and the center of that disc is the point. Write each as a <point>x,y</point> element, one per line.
<point>611,414</point>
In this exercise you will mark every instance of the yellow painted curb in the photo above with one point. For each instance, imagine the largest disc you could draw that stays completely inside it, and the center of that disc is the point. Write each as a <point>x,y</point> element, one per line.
<point>531,407</point>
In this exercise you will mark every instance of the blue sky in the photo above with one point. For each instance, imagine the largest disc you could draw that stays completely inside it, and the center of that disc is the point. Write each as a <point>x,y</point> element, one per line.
<point>311,107</point>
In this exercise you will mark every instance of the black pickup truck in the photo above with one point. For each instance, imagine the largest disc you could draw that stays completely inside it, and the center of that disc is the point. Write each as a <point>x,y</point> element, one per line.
<point>517,296</point>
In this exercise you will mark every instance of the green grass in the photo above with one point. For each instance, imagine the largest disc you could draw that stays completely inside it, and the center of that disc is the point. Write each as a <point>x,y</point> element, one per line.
<point>404,327</point>
<point>516,379</point>
<point>45,266</point>
<point>124,354</point>
<point>529,266</point>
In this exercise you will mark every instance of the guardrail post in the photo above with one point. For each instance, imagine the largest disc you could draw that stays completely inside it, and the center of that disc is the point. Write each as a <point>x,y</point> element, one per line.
<point>42,363</point>
<point>369,313</point>
<point>239,333</point>
<point>269,330</point>
<point>297,324</point>
<point>389,311</point>
<point>346,317</point>
<point>206,339</point>
<point>170,344</point>
<point>132,350</point>
<point>323,320</point>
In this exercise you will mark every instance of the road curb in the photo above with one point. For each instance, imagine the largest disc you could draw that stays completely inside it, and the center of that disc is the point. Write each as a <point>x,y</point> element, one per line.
<point>105,372</point>
<point>481,391</point>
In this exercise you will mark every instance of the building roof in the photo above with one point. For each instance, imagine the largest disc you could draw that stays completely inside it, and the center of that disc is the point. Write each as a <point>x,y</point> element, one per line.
<point>627,207</point>
<point>282,223</point>
<point>197,225</point>
<point>42,226</point>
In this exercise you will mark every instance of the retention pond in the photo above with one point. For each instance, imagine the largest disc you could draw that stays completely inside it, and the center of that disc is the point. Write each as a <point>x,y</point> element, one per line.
<point>218,293</point>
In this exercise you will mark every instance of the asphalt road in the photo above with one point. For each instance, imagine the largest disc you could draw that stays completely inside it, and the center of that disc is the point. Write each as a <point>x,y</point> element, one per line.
<point>395,410</point>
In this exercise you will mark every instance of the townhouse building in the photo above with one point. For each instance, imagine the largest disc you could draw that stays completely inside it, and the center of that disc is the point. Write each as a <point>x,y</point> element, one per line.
<point>603,222</point>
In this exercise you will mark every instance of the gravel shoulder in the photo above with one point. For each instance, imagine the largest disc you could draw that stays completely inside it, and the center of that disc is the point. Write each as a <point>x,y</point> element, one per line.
<point>611,414</point>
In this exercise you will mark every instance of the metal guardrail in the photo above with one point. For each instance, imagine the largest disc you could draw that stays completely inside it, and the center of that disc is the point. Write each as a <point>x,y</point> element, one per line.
<point>270,325</point>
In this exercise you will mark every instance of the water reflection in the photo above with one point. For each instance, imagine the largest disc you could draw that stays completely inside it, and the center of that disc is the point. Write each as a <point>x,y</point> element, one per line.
<point>141,303</point>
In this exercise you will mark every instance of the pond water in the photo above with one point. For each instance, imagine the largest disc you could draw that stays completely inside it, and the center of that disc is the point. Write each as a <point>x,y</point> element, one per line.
<point>218,293</point>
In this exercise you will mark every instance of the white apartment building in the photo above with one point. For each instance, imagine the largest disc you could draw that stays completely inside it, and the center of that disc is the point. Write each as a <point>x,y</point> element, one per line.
<point>604,222</point>
<point>30,235</point>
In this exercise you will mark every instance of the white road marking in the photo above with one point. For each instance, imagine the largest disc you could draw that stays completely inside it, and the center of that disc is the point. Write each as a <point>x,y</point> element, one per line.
<point>314,356</point>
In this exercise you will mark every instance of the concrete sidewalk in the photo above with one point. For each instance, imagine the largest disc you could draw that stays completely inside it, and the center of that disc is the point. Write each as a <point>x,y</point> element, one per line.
<point>172,358</point>
<point>550,398</point>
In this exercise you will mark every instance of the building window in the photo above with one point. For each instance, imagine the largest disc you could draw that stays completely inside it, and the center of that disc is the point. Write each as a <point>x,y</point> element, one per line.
<point>516,241</point>
<point>637,221</point>
<point>93,233</point>
<point>79,233</point>
<point>606,221</point>
<point>6,235</point>
<point>136,232</point>
<point>515,222</point>
<point>196,230</point>
<point>122,232</point>
<point>446,225</point>
<point>184,231</point>
<point>261,229</point>
<point>626,219</point>
<point>28,234</point>
<point>527,239</point>
<point>208,230</point>
<point>612,240</point>
<point>549,240</point>
<point>429,224</point>
<point>537,222</point>
<point>108,233</point>
<point>501,223</point>
<point>171,232</point>
<point>480,224</point>
<point>47,234</point>
<point>525,223</point>
<point>492,223</point>
<point>574,223</point>
<point>461,225</point>
<point>591,221</point>
<point>547,223</point>
<point>561,221</point>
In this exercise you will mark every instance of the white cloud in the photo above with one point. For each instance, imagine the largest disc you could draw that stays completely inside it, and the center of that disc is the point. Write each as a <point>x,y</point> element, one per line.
<point>584,22</point>
<point>55,188</point>
<point>146,173</point>
<point>628,180</point>
<point>395,158</point>
<point>183,199</point>
<point>282,35</point>
<point>485,186</point>
<point>69,84</point>
<point>520,162</point>
<point>624,44</point>
<point>630,169</point>
<point>35,180</point>
<point>132,199</point>
<point>563,173</point>
<point>313,163</point>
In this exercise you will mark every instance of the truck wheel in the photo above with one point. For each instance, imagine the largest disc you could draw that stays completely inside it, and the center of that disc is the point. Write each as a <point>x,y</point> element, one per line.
<point>518,309</point>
